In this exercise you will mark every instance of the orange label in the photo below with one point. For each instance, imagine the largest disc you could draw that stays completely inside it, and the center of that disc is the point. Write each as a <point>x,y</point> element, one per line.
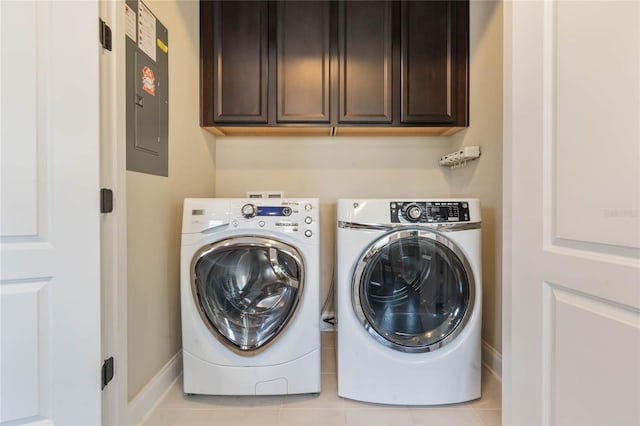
<point>148,81</point>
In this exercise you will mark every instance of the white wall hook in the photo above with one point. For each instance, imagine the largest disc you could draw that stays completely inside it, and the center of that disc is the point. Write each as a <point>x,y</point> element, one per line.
<point>458,159</point>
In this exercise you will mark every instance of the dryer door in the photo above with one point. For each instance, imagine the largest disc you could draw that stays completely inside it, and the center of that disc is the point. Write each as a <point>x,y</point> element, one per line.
<point>413,290</point>
<point>247,290</point>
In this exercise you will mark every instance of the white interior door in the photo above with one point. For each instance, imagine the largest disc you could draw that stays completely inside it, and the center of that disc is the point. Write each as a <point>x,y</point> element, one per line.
<point>572,177</point>
<point>49,224</point>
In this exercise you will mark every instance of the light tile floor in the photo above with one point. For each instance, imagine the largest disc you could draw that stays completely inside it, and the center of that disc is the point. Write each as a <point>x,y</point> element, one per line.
<point>326,409</point>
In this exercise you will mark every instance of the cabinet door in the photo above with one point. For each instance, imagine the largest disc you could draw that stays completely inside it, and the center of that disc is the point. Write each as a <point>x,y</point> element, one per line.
<point>239,62</point>
<point>303,49</point>
<point>365,52</point>
<point>434,47</point>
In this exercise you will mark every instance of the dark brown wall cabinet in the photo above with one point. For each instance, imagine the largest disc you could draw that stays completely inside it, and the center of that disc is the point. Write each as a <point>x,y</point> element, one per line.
<point>434,55</point>
<point>322,64</point>
<point>302,62</point>
<point>234,63</point>
<point>365,42</point>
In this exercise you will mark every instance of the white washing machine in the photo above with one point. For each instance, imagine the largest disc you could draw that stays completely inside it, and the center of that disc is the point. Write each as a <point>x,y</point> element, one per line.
<point>409,299</point>
<point>250,276</point>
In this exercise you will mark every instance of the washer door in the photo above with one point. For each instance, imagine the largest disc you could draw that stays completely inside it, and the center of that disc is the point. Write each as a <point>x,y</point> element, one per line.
<point>413,290</point>
<point>247,290</point>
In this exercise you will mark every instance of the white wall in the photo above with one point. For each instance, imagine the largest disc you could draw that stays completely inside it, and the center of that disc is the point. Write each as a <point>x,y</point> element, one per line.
<point>486,181</point>
<point>332,168</point>
<point>154,205</point>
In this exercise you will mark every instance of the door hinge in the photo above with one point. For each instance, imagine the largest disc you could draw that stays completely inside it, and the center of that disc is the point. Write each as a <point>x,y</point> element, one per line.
<point>106,200</point>
<point>105,35</point>
<point>107,372</point>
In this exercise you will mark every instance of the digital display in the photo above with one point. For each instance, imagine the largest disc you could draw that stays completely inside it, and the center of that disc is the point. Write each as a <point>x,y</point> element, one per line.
<point>273,211</point>
<point>449,213</point>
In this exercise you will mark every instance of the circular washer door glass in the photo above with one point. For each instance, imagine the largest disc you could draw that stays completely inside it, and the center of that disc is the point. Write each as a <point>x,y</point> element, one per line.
<point>413,290</point>
<point>247,289</point>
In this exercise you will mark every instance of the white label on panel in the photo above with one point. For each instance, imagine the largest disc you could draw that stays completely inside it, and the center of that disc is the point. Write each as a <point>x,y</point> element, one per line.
<point>146,31</point>
<point>130,22</point>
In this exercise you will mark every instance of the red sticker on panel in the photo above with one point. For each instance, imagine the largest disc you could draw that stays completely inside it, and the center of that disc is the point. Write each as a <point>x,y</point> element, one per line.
<point>148,81</point>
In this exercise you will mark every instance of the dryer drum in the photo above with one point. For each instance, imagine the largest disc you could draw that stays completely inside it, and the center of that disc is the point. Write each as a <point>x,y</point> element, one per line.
<point>411,292</point>
<point>247,290</point>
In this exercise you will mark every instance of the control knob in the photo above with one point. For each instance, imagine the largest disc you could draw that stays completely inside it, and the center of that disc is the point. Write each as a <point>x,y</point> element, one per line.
<point>248,211</point>
<point>413,212</point>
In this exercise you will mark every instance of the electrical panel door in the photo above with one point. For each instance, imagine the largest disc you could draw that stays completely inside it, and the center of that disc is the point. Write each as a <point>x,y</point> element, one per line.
<point>147,90</point>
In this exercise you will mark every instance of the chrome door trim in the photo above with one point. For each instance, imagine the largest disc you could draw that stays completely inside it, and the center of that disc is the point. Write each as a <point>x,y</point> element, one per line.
<point>373,249</point>
<point>257,242</point>
<point>442,227</point>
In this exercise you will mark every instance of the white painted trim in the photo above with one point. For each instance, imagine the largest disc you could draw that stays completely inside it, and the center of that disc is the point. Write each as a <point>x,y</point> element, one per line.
<point>153,392</point>
<point>507,217</point>
<point>114,225</point>
<point>492,359</point>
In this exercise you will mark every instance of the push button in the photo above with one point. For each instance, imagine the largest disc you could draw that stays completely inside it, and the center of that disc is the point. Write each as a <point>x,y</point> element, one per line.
<point>308,220</point>
<point>308,233</point>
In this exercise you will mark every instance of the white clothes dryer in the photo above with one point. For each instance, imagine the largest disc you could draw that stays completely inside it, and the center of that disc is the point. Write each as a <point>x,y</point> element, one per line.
<point>409,299</point>
<point>250,303</point>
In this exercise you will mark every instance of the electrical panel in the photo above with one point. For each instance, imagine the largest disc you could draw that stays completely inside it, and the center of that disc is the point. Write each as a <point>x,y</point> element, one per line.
<point>147,90</point>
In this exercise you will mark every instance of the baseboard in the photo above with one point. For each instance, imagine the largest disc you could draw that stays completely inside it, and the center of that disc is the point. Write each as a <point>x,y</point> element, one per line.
<point>492,359</point>
<point>144,402</point>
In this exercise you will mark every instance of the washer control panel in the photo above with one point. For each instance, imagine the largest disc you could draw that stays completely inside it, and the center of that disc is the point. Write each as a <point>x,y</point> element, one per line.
<point>289,216</point>
<point>429,211</point>
<point>251,210</point>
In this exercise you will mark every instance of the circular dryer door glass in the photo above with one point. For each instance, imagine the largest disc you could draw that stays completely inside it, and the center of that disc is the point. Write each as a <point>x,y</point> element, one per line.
<point>247,289</point>
<point>413,290</point>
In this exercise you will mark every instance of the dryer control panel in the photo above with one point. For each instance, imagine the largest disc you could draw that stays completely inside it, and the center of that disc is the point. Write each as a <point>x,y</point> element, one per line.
<point>429,211</point>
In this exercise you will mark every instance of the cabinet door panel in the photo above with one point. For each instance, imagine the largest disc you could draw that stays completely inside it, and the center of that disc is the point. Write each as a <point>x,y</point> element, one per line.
<point>434,76</point>
<point>240,62</point>
<point>303,49</point>
<point>365,52</point>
